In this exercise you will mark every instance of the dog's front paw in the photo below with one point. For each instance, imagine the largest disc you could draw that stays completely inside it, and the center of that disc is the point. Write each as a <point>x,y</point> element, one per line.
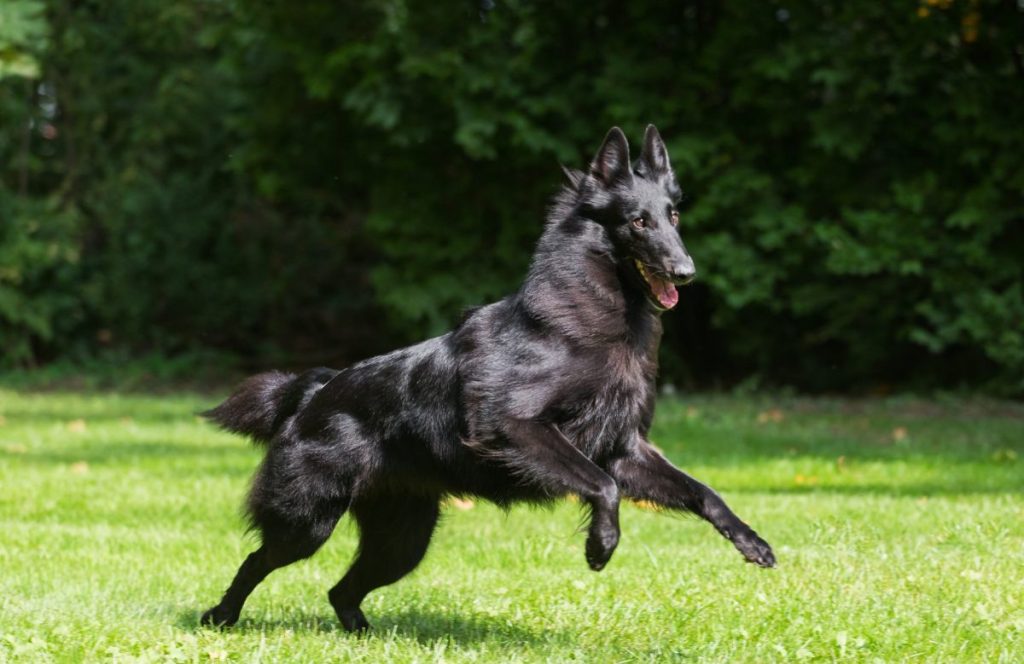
<point>601,545</point>
<point>218,617</point>
<point>754,549</point>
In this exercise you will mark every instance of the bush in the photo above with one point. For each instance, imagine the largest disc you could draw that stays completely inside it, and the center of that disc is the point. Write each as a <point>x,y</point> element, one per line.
<point>313,181</point>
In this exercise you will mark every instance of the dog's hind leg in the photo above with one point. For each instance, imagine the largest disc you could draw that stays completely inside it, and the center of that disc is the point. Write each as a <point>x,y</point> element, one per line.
<point>647,475</point>
<point>394,535</point>
<point>284,542</point>
<point>282,545</point>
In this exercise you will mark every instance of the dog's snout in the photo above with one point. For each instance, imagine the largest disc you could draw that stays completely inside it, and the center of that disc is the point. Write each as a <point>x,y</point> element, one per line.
<point>682,271</point>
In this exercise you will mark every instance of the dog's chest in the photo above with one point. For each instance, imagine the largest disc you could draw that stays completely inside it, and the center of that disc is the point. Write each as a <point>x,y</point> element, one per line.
<point>618,402</point>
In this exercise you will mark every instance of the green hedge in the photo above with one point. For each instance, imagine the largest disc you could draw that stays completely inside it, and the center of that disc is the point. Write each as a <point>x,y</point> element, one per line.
<point>316,181</point>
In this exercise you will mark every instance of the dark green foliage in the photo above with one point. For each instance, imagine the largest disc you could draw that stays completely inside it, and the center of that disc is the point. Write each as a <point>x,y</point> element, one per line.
<point>315,181</point>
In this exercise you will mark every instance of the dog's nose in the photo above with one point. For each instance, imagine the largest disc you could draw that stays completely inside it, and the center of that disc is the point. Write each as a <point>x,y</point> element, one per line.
<point>683,271</point>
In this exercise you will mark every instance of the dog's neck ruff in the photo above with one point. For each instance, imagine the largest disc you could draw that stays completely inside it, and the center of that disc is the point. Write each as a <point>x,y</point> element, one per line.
<point>575,286</point>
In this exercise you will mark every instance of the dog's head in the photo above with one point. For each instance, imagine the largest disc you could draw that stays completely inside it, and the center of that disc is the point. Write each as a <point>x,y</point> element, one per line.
<point>636,203</point>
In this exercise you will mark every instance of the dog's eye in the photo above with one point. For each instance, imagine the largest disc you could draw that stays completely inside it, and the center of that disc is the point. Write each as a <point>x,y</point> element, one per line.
<point>674,218</point>
<point>639,223</point>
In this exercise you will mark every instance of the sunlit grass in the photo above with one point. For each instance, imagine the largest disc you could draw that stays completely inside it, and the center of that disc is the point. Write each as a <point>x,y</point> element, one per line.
<point>899,527</point>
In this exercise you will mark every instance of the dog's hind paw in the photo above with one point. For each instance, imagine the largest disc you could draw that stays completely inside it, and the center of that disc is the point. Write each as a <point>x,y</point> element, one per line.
<point>353,620</point>
<point>755,549</point>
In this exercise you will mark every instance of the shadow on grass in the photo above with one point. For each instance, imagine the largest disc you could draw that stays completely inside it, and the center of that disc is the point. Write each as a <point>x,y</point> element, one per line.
<point>982,459</point>
<point>423,626</point>
<point>1010,483</point>
<point>428,626</point>
<point>119,452</point>
<point>974,475</point>
<point>126,419</point>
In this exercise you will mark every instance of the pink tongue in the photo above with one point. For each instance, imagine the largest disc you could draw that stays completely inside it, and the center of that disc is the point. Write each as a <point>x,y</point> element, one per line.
<point>665,291</point>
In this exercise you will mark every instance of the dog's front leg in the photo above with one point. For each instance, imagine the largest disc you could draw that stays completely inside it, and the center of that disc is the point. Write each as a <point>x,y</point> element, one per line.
<point>645,474</point>
<point>540,455</point>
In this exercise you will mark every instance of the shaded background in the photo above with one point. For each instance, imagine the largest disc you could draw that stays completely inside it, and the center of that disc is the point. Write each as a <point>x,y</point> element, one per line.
<point>248,183</point>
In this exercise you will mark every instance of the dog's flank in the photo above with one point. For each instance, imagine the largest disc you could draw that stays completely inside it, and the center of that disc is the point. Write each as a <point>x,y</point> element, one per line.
<point>546,393</point>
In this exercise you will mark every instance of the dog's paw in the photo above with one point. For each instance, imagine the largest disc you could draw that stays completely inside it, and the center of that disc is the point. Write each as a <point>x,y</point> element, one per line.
<point>600,547</point>
<point>754,549</point>
<point>218,617</point>
<point>353,620</point>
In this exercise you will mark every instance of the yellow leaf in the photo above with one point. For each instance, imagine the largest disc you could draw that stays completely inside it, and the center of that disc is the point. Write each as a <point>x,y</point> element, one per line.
<point>771,415</point>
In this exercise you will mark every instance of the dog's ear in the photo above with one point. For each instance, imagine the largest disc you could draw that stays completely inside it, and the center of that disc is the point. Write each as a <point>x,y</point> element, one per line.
<point>574,177</point>
<point>611,164</point>
<point>655,154</point>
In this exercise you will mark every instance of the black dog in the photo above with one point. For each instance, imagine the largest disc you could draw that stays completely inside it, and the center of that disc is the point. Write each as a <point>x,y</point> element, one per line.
<point>546,393</point>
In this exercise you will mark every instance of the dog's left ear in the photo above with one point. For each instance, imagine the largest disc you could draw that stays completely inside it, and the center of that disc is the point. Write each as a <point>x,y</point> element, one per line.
<point>655,154</point>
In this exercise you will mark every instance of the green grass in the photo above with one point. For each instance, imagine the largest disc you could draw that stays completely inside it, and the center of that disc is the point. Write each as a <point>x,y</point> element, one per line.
<point>898,524</point>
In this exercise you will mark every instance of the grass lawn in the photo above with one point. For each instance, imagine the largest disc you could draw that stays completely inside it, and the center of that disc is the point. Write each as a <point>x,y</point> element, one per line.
<point>898,524</point>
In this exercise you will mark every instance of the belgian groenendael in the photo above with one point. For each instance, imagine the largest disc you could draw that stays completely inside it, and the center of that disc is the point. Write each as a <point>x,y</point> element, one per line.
<point>545,393</point>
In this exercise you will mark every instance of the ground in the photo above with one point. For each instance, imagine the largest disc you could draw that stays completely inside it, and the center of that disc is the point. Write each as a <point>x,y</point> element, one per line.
<point>898,525</point>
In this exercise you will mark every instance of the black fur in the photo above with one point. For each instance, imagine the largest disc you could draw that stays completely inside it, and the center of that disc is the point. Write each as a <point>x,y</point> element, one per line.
<point>261,404</point>
<point>545,393</point>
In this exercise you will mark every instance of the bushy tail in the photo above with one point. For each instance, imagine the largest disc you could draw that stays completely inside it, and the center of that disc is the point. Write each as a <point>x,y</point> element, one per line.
<point>261,404</point>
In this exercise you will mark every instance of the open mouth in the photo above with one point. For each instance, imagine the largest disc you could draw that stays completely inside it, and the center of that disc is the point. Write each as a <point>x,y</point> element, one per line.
<point>661,290</point>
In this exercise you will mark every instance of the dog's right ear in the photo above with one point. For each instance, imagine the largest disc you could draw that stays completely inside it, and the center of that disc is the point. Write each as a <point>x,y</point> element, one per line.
<point>611,164</point>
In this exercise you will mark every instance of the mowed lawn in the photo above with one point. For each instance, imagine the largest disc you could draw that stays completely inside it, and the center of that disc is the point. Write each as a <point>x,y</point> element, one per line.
<point>898,524</point>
